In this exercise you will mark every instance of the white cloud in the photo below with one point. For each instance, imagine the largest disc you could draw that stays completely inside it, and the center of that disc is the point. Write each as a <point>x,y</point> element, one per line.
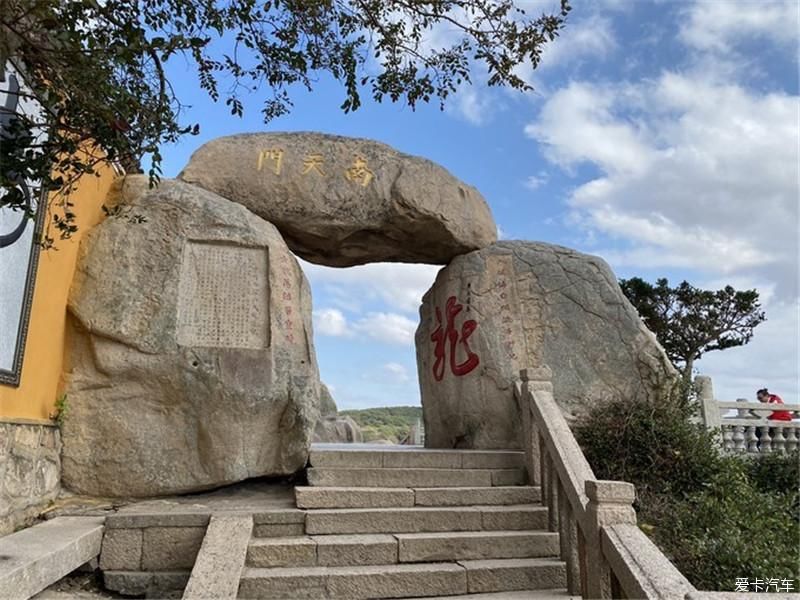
<point>664,243</point>
<point>396,373</point>
<point>331,321</point>
<point>386,327</point>
<point>592,37</point>
<point>473,103</point>
<point>390,328</point>
<point>577,124</point>
<point>694,173</point>
<point>713,25</point>
<point>400,286</point>
<point>697,170</point>
<point>534,182</point>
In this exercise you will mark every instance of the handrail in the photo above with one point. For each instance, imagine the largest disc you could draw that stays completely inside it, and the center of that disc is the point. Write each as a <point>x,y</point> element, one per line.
<point>606,554</point>
<point>759,406</point>
<point>640,567</point>
<point>566,454</point>
<point>757,422</point>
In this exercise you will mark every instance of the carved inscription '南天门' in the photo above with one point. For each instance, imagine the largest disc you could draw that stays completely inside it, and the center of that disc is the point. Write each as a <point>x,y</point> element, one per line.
<point>223,296</point>
<point>271,160</point>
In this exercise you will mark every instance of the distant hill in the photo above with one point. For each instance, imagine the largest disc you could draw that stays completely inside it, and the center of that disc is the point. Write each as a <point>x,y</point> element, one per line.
<point>391,423</point>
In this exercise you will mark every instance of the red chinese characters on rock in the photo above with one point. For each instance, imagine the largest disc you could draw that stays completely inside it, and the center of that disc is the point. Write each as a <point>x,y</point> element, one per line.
<point>441,337</point>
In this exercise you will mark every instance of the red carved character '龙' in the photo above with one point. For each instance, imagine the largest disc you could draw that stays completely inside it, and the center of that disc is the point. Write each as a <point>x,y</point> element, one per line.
<point>450,334</point>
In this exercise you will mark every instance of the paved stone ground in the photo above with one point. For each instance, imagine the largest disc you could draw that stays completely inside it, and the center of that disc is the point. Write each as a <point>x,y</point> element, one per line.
<point>78,586</point>
<point>250,496</point>
<point>367,446</point>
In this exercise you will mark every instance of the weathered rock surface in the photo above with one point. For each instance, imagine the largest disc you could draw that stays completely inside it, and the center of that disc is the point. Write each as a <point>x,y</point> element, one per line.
<point>337,430</point>
<point>517,305</point>
<point>342,201</point>
<point>191,361</point>
<point>327,405</point>
<point>334,428</point>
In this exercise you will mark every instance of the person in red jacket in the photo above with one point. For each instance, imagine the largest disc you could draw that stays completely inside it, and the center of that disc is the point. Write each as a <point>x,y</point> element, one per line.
<point>764,396</point>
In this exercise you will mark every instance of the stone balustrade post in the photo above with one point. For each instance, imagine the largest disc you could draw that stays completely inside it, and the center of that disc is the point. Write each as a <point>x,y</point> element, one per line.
<point>568,542</point>
<point>779,440</point>
<point>764,440</point>
<point>535,473</point>
<point>739,439</point>
<point>610,503</point>
<point>538,378</point>
<point>791,439</point>
<point>545,477</point>
<point>743,413</point>
<point>709,409</point>
<point>751,439</point>
<point>727,438</point>
<point>523,401</point>
<point>552,498</point>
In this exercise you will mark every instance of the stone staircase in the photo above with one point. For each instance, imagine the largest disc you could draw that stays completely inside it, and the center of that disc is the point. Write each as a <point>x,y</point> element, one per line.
<point>406,523</point>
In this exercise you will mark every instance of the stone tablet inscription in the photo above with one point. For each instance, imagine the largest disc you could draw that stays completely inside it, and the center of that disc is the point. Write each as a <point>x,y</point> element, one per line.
<point>223,296</point>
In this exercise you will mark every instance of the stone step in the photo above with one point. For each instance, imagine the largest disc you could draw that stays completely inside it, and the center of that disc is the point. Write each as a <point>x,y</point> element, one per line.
<point>403,457</point>
<point>413,477</point>
<point>323,551</point>
<point>425,519</point>
<point>485,496</point>
<point>383,549</point>
<point>523,595</point>
<point>311,497</point>
<point>353,583</point>
<point>475,545</point>
<point>514,574</point>
<point>37,557</point>
<point>403,580</point>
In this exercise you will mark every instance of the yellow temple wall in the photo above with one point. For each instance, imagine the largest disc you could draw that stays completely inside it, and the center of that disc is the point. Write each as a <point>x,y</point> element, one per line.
<point>34,399</point>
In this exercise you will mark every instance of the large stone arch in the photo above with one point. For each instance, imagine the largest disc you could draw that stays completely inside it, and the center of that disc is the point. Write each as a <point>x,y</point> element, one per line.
<point>341,201</point>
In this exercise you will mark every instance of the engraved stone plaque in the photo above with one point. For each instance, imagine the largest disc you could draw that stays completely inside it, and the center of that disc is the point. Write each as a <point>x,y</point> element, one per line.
<point>223,296</point>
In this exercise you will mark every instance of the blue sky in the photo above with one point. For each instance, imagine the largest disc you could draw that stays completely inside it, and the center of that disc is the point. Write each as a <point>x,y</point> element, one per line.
<point>662,136</point>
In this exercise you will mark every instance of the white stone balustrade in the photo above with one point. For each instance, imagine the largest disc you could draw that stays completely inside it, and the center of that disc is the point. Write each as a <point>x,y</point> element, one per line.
<point>748,430</point>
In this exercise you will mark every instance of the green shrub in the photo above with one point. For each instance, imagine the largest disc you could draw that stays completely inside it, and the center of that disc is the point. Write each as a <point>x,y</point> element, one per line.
<point>730,529</point>
<point>391,423</point>
<point>652,445</point>
<point>775,472</point>
<point>716,517</point>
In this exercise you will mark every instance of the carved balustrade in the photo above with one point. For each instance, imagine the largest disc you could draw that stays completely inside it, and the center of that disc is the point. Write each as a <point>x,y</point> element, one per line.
<point>743,426</point>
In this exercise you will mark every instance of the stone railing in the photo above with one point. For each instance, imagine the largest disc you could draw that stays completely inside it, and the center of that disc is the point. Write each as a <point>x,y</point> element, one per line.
<point>606,553</point>
<point>748,430</point>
